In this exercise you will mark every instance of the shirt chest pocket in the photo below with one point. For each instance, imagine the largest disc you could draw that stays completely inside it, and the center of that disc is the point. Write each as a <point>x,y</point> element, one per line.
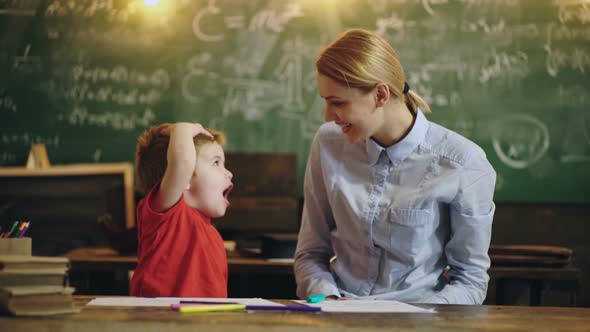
<point>409,231</point>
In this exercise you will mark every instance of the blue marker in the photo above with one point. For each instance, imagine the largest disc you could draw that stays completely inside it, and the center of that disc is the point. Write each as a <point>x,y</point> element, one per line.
<point>316,298</point>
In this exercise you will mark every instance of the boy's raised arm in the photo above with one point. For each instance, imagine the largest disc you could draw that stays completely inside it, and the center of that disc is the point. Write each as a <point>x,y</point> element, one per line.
<point>181,164</point>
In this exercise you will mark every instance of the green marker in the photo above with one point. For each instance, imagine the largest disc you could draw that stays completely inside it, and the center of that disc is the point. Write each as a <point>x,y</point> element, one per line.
<point>316,298</point>
<point>12,229</point>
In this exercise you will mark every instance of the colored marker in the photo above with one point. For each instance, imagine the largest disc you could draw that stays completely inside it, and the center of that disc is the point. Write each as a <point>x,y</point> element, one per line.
<point>188,302</point>
<point>14,226</point>
<point>210,308</point>
<point>285,307</point>
<point>316,298</point>
<point>183,304</point>
<point>22,233</point>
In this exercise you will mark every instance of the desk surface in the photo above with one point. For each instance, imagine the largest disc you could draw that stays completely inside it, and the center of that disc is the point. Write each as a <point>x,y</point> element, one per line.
<point>446,318</point>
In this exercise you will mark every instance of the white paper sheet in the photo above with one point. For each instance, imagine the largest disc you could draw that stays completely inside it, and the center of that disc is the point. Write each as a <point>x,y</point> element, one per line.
<point>367,306</point>
<point>124,301</point>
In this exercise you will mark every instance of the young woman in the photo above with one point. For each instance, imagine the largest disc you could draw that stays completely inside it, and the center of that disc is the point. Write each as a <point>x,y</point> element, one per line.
<point>396,207</point>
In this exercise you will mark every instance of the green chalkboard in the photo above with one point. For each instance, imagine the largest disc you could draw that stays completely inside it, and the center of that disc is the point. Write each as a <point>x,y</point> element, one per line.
<point>86,77</point>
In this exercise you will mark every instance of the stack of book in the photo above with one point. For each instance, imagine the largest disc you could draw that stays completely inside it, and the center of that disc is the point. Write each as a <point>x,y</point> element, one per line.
<point>35,285</point>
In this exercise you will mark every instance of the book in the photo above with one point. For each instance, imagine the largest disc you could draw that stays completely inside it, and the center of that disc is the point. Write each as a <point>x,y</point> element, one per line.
<point>20,263</point>
<point>37,300</point>
<point>33,278</point>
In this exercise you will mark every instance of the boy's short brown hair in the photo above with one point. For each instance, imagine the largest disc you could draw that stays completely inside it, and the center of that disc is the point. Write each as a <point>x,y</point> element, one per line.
<point>151,154</point>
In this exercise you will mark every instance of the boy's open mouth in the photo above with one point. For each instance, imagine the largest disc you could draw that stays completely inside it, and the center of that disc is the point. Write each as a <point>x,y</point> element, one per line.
<point>227,191</point>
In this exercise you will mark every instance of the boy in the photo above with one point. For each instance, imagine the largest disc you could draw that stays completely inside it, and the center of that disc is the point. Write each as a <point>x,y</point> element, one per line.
<point>180,254</point>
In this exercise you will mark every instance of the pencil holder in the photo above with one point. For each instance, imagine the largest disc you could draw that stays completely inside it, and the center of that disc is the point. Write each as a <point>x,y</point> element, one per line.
<point>16,246</point>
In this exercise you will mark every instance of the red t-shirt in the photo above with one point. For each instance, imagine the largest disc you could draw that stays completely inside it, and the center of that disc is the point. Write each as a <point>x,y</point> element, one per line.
<point>180,254</point>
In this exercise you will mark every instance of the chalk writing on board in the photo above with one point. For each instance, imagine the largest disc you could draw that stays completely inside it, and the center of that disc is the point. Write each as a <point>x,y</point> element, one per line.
<point>89,8</point>
<point>561,32</point>
<point>483,25</point>
<point>199,31</point>
<point>253,55</point>
<point>115,67</point>
<point>429,4</point>
<point>507,3</point>
<point>576,59</point>
<point>120,74</point>
<point>289,72</point>
<point>392,22</point>
<point>252,98</point>
<point>122,23</point>
<point>274,19</point>
<point>7,157</point>
<point>96,155</point>
<point>7,103</point>
<point>112,35</point>
<point>25,59</point>
<point>18,7</point>
<point>198,82</point>
<point>574,11</point>
<point>520,140</point>
<point>108,96</point>
<point>80,116</point>
<point>504,65</point>
<point>420,81</point>
<point>26,139</point>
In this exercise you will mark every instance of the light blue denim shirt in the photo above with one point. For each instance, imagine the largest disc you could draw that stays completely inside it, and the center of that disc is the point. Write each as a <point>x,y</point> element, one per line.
<point>385,223</point>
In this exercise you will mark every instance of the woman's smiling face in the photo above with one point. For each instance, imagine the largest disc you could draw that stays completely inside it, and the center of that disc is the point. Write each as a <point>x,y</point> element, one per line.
<point>350,108</point>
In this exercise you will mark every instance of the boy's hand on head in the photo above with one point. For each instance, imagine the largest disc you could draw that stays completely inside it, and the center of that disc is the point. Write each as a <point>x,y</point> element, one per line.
<point>199,129</point>
<point>194,128</point>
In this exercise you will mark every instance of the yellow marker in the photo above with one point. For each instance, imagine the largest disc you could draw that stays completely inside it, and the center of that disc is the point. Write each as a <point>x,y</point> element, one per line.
<point>209,308</point>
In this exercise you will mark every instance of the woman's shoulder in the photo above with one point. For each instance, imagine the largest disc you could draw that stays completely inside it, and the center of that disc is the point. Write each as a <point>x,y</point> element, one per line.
<point>451,145</point>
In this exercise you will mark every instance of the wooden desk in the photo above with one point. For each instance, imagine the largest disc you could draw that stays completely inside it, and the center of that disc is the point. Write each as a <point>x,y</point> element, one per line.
<point>534,286</point>
<point>101,271</point>
<point>253,277</point>
<point>107,259</point>
<point>446,318</point>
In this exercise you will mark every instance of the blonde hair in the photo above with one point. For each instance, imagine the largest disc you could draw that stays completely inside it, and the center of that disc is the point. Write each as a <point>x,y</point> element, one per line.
<point>361,59</point>
<point>151,154</point>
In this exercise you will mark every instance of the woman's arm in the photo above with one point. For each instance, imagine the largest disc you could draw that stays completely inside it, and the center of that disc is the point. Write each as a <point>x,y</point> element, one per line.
<point>471,215</point>
<point>314,249</point>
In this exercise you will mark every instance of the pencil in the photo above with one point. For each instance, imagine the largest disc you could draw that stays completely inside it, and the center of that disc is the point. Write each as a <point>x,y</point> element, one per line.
<point>209,308</point>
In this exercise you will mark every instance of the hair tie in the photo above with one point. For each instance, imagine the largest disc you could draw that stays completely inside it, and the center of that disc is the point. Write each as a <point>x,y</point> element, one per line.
<point>406,88</point>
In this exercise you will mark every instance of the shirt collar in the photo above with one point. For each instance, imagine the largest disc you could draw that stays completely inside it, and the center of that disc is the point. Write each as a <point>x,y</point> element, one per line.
<point>402,149</point>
